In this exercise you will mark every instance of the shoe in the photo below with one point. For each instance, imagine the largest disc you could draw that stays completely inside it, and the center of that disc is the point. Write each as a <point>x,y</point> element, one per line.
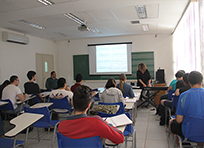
<point>161,123</point>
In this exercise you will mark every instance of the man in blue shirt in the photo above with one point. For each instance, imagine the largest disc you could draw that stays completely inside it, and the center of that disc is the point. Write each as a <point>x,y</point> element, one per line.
<point>191,103</point>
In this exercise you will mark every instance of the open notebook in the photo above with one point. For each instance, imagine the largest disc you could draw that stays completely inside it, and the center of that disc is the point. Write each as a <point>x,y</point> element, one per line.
<point>118,120</point>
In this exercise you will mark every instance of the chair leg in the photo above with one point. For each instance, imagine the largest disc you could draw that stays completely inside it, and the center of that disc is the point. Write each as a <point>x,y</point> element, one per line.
<point>125,141</point>
<point>26,136</point>
<point>134,142</point>
<point>180,142</point>
<point>38,135</point>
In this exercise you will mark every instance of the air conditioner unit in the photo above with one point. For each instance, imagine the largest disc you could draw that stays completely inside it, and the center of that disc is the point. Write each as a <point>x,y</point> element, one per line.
<point>15,38</point>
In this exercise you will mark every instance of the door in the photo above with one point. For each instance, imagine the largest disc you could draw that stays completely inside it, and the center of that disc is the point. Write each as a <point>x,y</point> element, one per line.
<point>44,66</point>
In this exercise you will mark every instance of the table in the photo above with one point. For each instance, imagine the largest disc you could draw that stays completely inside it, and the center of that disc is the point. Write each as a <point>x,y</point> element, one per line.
<point>26,99</point>
<point>149,98</point>
<point>39,105</point>
<point>3,103</point>
<point>46,93</point>
<point>22,122</point>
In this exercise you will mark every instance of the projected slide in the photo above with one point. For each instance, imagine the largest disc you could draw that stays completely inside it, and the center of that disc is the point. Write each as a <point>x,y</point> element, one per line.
<point>111,58</point>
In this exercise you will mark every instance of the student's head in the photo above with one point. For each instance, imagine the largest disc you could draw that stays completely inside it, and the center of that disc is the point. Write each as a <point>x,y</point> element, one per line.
<point>122,79</point>
<point>185,78</point>
<point>61,82</point>
<point>79,77</point>
<point>195,77</point>
<point>53,74</point>
<point>111,83</point>
<point>5,83</point>
<point>14,80</point>
<point>179,74</point>
<point>142,67</point>
<point>31,74</point>
<point>82,98</point>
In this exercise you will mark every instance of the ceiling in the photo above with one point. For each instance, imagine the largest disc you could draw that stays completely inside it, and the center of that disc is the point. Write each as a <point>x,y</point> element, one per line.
<point>110,17</point>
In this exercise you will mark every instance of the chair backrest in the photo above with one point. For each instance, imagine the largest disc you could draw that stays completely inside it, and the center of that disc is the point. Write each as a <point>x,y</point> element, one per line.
<point>36,99</point>
<point>96,97</point>
<point>194,129</point>
<point>170,93</point>
<point>121,109</point>
<point>65,142</point>
<point>8,106</point>
<point>175,101</point>
<point>129,126</point>
<point>60,103</point>
<point>45,121</point>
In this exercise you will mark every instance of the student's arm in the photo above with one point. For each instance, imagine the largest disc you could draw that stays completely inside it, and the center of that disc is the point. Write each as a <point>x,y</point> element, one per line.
<point>109,132</point>
<point>131,93</point>
<point>170,87</point>
<point>40,95</point>
<point>177,92</point>
<point>93,93</point>
<point>21,97</point>
<point>179,118</point>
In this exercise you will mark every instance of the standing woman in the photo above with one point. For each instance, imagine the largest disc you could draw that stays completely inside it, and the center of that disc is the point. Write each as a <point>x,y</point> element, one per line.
<point>143,76</point>
<point>125,88</point>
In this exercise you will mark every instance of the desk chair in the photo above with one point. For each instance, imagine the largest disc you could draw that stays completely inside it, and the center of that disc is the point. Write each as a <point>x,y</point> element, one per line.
<point>8,109</point>
<point>121,109</point>
<point>45,122</point>
<point>65,142</point>
<point>130,132</point>
<point>194,132</point>
<point>60,106</point>
<point>8,143</point>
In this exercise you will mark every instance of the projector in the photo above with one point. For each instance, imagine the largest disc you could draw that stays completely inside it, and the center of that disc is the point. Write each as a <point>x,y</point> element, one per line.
<point>83,28</point>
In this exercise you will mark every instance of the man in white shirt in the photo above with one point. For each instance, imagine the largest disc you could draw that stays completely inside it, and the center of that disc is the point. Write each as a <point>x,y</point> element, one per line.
<point>13,92</point>
<point>62,91</point>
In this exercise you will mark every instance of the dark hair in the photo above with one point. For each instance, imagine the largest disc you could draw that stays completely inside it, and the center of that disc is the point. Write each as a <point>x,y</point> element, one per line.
<point>195,77</point>
<point>179,74</point>
<point>79,77</point>
<point>111,83</point>
<point>52,73</point>
<point>61,82</point>
<point>13,78</point>
<point>183,71</point>
<point>185,78</point>
<point>5,83</point>
<point>82,98</point>
<point>31,74</point>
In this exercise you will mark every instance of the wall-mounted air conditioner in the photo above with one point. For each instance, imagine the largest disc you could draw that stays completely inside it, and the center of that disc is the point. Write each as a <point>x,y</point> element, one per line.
<point>14,38</point>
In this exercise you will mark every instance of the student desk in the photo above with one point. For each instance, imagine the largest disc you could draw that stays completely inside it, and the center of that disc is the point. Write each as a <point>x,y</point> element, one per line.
<point>26,99</point>
<point>3,103</point>
<point>46,93</point>
<point>39,105</point>
<point>22,122</point>
<point>131,104</point>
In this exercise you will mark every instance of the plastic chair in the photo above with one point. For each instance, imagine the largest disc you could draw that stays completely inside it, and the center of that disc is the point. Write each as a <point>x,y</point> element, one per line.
<point>65,142</point>
<point>45,122</point>
<point>130,132</point>
<point>8,109</point>
<point>8,143</point>
<point>60,106</point>
<point>193,132</point>
<point>96,97</point>
<point>121,109</point>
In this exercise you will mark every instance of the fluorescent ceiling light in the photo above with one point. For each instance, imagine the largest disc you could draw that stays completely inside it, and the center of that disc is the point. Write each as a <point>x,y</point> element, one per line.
<point>32,24</point>
<point>141,11</point>
<point>145,27</point>
<point>46,2</point>
<point>74,18</point>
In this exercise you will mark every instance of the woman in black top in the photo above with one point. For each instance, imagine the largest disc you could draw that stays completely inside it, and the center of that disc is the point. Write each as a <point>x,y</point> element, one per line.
<point>143,76</point>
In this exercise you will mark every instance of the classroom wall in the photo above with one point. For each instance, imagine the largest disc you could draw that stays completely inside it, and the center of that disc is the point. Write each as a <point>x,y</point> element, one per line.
<point>18,59</point>
<point>161,45</point>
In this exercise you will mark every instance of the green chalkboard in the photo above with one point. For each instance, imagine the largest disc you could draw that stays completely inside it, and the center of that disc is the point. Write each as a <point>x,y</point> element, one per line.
<point>81,65</point>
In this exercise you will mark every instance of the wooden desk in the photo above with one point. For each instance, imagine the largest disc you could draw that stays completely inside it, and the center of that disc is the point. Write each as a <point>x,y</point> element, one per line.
<point>157,97</point>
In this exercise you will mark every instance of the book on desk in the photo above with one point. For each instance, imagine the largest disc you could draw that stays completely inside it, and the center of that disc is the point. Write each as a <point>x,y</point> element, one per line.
<point>119,120</point>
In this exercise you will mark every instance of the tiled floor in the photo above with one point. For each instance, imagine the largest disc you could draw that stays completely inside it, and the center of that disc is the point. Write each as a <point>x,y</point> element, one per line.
<point>149,133</point>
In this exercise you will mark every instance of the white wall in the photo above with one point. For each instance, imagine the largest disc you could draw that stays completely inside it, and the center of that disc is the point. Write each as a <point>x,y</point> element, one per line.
<point>18,59</point>
<point>161,45</point>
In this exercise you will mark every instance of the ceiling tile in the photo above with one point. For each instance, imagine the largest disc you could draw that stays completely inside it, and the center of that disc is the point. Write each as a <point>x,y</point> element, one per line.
<point>85,17</point>
<point>152,10</point>
<point>6,7</point>
<point>104,15</point>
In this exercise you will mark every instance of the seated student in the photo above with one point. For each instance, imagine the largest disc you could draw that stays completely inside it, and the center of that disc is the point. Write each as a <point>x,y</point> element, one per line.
<point>31,87</point>
<point>62,91</point>
<point>178,91</point>
<point>51,82</point>
<point>79,79</point>
<point>1,128</point>
<point>82,126</point>
<point>124,87</point>
<point>12,92</point>
<point>111,94</point>
<point>191,103</point>
<point>2,86</point>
